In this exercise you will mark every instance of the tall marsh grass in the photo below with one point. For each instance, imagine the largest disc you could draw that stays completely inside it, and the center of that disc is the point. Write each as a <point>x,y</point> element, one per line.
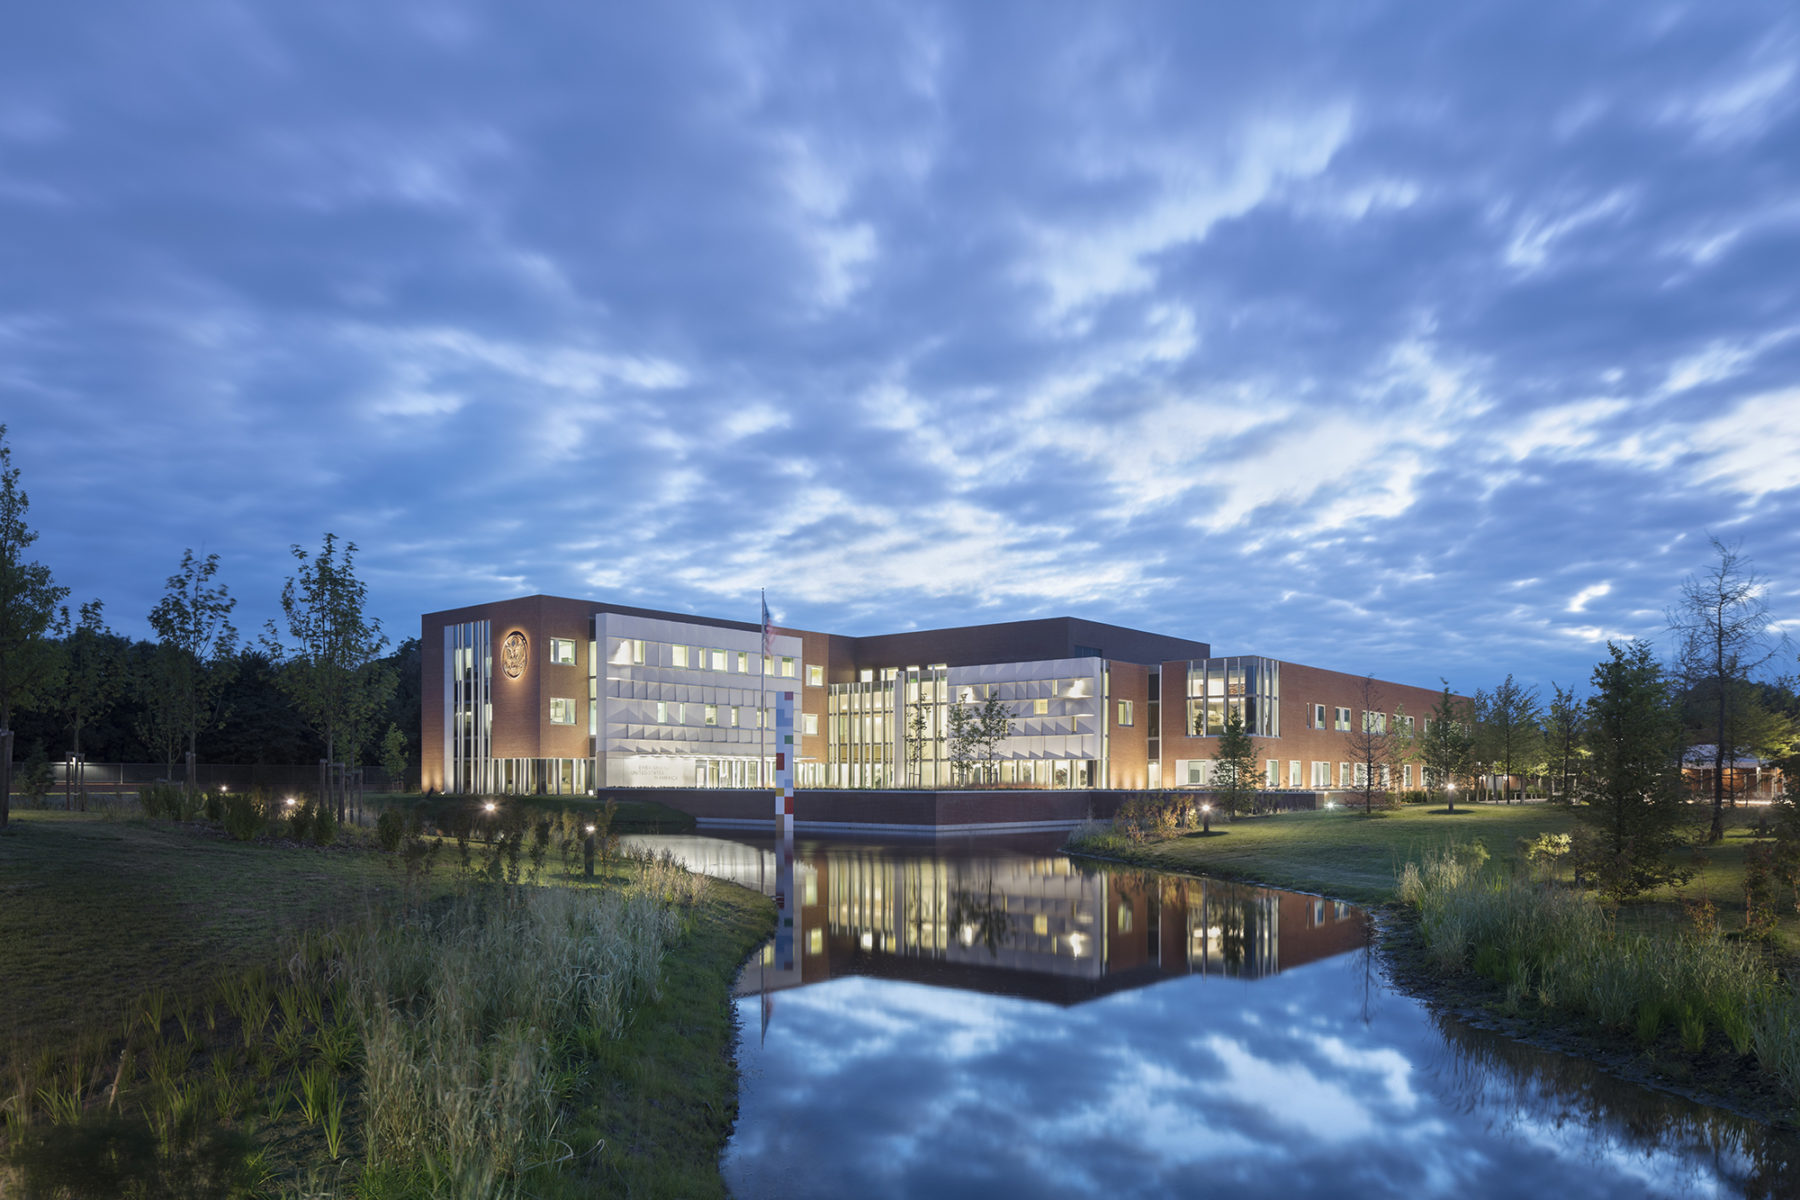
<point>468,1017</point>
<point>1559,949</point>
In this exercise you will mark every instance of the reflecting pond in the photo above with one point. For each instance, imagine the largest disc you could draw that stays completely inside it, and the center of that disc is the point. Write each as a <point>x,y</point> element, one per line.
<point>989,1018</point>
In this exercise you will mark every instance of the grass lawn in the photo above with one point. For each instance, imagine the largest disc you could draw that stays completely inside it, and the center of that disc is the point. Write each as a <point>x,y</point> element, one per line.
<point>1345,854</point>
<point>105,921</point>
<point>630,816</point>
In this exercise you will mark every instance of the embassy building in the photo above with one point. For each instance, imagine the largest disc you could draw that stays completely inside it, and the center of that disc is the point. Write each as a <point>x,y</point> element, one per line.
<point>544,694</point>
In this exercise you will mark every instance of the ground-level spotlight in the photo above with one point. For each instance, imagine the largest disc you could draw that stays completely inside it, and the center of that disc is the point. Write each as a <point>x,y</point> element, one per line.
<point>1206,818</point>
<point>490,806</point>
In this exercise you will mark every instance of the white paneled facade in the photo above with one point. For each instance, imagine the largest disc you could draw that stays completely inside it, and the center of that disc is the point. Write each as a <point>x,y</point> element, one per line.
<point>685,705</point>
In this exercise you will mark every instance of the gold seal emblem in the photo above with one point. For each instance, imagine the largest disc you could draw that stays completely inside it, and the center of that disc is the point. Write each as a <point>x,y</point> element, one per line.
<point>512,655</point>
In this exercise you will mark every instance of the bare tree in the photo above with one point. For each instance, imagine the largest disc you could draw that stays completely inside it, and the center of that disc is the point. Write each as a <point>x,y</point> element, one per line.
<point>1724,635</point>
<point>993,725</point>
<point>1375,747</point>
<point>918,733</point>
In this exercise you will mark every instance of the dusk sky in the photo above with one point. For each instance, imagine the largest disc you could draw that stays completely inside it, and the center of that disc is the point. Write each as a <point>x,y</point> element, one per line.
<point>1400,339</point>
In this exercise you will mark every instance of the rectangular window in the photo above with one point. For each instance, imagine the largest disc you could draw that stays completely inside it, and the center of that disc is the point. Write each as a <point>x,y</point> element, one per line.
<point>787,668</point>
<point>712,714</point>
<point>717,658</point>
<point>734,716</point>
<point>1272,772</point>
<point>679,712</point>
<point>1040,708</point>
<point>678,656</point>
<point>1406,776</point>
<point>662,712</point>
<point>1343,775</point>
<point>1362,774</point>
<point>1318,717</point>
<point>743,662</point>
<point>815,676</point>
<point>1343,720</point>
<point>809,724</point>
<point>562,650</point>
<point>562,712</point>
<point>637,652</point>
<point>1124,712</point>
<point>1374,722</point>
<point>1293,772</point>
<point>1321,775</point>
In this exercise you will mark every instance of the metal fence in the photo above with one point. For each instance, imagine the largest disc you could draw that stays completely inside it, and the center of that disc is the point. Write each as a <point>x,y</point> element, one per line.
<point>271,778</point>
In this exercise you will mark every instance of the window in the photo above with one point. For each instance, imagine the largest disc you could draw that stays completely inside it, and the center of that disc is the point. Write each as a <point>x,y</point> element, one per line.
<point>637,651</point>
<point>1318,717</point>
<point>1406,776</point>
<point>562,650</point>
<point>1374,722</point>
<point>717,659</point>
<point>1343,775</point>
<point>1199,772</point>
<point>1293,772</point>
<point>1040,924</point>
<point>1362,774</point>
<point>1040,708</point>
<point>809,724</point>
<point>1272,772</point>
<point>787,668</point>
<point>734,716</point>
<point>1124,712</point>
<point>866,675</point>
<point>679,712</point>
<point>712,714</point>
<point>1402,721</point>
<point>678,656</point>
<point>562,712</point>
<point>662,712</point>
<point>815,676</point>
<point>1321,775</point>
<point>1343,720</point>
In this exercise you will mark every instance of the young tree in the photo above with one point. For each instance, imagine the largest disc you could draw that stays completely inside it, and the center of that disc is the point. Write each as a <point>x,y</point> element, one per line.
<point>393,758</point>
<point>918,734</point>
<point>1375,749</point>
<point>1446,746</point>
<point>1234,776</point>
<point>1508,730</point>
<point>993,725</point>
<point>93,676</point>
<point>193,623</point>
<point>963,732</point>
<point>1724,634</point>
<point>323,671</point>
<point>1563,731</point>
<point>28,610</point>
<point>1633,790</point>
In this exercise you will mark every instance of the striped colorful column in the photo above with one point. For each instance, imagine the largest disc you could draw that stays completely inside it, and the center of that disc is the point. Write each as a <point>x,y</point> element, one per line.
<point>784,763</point>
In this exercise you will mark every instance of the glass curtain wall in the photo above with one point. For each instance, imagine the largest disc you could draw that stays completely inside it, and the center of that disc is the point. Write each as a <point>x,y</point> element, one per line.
<point>1218,687</point>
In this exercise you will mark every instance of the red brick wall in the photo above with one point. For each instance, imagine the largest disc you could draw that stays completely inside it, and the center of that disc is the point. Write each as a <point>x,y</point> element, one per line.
<point>1128,745</point>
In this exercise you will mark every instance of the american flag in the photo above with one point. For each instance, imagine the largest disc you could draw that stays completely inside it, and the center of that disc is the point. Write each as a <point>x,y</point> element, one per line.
<point>768,630</point>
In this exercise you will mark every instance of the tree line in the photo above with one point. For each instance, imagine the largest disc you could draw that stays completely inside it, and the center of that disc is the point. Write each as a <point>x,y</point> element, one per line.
<point>320,685</point>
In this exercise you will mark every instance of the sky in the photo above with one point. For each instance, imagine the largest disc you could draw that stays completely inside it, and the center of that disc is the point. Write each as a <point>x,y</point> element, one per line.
<point>1413,341</point>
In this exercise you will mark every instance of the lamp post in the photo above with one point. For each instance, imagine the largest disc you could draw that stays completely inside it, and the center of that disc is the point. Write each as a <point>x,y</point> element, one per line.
<point>587,853</point>
<point>1206,818</point>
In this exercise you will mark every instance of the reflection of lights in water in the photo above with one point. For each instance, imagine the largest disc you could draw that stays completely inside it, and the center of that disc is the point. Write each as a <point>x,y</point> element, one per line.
<point>966,935</point>
<point>868,941</point>
<point>1077,943</point>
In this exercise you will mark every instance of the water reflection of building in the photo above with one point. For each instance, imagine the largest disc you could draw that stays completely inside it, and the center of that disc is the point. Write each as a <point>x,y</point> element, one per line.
<point>1037,924</point>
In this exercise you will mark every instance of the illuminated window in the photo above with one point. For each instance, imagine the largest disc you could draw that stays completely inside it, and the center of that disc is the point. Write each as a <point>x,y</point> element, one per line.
<point>1343,775</point>
<point>743,662</point>
<point>1374,722</point>
<point>1124,917</point>
<point>1294,773</point>
<point>1343,720</point>
<point>787,667</point>
<point>637,652</point>
<point>815,941</point>
<point>562,712</point>
<point>1318,717</point>
<point>1040,924</point>
<point>679,655</point>
<point>815,676</point>
<point>562,650</point>
<point>718,659</point>
<point>809,724</point>
<point>662,712</point>
<point>1124,712</point>
<point>1272,772</point>
<point>865,676</point>
<point>712,714</point>
<point>1040,707</point>
<point>1321,774</point>
<point>734,716</point>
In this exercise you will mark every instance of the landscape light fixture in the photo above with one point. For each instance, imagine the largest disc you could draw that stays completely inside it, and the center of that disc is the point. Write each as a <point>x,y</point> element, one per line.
<point>290,802</point>
<point>590,829</point>
<point>489,806</point>
<point>1206,818</point>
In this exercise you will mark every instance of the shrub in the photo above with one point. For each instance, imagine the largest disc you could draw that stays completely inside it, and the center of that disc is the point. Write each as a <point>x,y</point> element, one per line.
<point>390,827</point>
<point>324,827</point>
<point>300,821</point>
<point>243,816</point>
